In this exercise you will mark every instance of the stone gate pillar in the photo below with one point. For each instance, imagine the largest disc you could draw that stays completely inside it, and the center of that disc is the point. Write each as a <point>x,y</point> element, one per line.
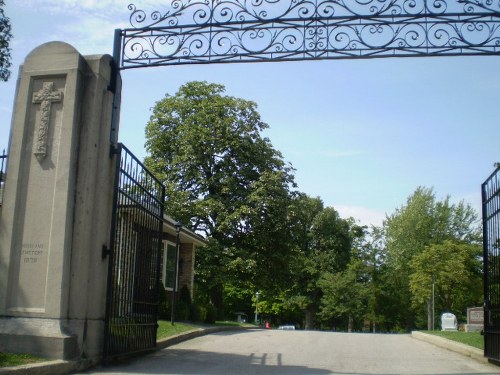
<point>56,209</point>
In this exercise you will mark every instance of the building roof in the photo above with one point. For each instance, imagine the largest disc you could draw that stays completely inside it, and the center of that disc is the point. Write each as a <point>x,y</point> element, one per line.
<point>185,234</point>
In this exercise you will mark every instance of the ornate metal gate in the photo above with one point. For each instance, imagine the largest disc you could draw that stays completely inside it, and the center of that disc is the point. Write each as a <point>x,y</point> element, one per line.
<point>134,258</point>
<point>241,31</point>
<point>491,254</point>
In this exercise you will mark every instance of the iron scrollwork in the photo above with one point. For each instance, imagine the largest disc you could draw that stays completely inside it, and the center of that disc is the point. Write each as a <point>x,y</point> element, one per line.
<point>218,31</point>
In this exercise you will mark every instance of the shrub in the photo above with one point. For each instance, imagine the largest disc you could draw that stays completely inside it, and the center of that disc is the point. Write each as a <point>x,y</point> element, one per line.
<point>181,310</point>
<point>185,295</point>
<point>164,307</point>
<point>211,314</point>
<point>198,313</point>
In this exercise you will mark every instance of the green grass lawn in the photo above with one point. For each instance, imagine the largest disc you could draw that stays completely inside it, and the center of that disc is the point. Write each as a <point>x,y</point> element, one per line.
<point>474,339</point>
<point>9,359</point>
<point>166,329</point>
<point>231,323</point>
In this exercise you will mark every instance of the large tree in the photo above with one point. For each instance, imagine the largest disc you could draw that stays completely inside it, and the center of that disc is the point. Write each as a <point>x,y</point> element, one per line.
<point>322,244</point>
<point>455,271</point>
<point>5,35</point>
<point>422,222</point>
<point>222,178</point>
<point>345,294</point>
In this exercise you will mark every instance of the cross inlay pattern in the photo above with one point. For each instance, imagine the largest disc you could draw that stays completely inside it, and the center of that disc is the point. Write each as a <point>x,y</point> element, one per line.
<point>46,96</point>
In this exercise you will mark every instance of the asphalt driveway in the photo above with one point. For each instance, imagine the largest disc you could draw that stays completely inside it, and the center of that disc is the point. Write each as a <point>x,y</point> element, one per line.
<point>301,352</point>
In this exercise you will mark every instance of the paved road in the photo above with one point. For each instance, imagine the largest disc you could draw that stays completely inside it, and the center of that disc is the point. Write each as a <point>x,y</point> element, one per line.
<point>302,352</point>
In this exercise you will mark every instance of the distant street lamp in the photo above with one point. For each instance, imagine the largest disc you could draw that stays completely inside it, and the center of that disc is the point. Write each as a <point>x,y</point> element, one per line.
<point>433,302</point>
<point>257,306</point>
<point>178,227</point>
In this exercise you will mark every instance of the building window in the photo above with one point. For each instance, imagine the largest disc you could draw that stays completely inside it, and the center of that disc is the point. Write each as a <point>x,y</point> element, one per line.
<point>168,265</point>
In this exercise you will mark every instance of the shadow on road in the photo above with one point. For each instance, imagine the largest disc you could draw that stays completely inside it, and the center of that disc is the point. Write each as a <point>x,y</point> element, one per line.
<point>187,362</point>
<point>314,353</point>
<point>190,362</point>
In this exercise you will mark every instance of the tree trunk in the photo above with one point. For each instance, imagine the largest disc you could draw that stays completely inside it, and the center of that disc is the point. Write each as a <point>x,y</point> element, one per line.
<point>217,299</point>
<point>429,315</point>
<point>309,314</point>
<point>349,324</point>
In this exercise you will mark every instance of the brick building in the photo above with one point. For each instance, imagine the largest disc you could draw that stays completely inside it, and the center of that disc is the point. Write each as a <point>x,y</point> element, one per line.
<point>189,242</point>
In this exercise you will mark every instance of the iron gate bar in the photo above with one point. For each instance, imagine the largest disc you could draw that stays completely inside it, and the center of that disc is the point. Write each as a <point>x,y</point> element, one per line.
<point>490,191</point>
<point>230,31</point>
<point>3,168</point>
<point>134,258</point>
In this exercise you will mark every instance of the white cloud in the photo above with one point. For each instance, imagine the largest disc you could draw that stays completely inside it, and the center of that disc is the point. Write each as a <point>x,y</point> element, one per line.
<point>103,8</point>
<point>89,36</point>
<point>88,25</point>
<point>74,7</point>
<point>365,216</point>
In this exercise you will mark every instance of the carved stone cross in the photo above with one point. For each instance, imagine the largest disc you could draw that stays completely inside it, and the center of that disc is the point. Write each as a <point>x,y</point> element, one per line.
<point>45,97</point>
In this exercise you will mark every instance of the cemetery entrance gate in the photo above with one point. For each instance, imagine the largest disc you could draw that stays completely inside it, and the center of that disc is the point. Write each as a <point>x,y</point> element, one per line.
<point>242,31</point>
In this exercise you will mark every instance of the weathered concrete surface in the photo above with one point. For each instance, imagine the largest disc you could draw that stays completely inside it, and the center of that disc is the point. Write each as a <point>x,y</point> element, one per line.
<point>57,367</point>
<point>302,352</point>
<point>457,347</point>
<point>57,206</point>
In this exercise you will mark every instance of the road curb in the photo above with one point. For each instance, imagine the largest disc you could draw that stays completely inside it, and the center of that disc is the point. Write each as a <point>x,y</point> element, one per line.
<point>456,347</point>
<point>57,367</point>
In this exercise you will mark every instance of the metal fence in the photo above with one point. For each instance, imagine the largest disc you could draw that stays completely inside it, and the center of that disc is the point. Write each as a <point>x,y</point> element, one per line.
<point>491,255</point>
<point>134,258</point>
<point>3,167</point>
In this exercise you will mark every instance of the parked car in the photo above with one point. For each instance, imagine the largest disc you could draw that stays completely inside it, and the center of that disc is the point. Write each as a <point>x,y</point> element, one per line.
<point>287,327</point>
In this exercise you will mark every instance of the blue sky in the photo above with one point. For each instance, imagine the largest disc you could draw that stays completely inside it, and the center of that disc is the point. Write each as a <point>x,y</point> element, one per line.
<point>362,134</point>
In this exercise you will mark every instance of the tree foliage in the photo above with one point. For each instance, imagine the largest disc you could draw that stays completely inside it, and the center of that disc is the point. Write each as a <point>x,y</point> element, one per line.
<point>5,36</point>
<point>207,149</point>
<point>346,293</point>
<point>323,242</point>
<point>311,267</point>
<point>422,222</point>
<point>224,179</point>
<point>456,271</point>
<point>331,241</point>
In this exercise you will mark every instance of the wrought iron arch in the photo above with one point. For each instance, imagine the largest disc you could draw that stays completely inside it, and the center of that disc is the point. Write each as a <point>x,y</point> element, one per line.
<point>243,31</point>
<point>231,31</point>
